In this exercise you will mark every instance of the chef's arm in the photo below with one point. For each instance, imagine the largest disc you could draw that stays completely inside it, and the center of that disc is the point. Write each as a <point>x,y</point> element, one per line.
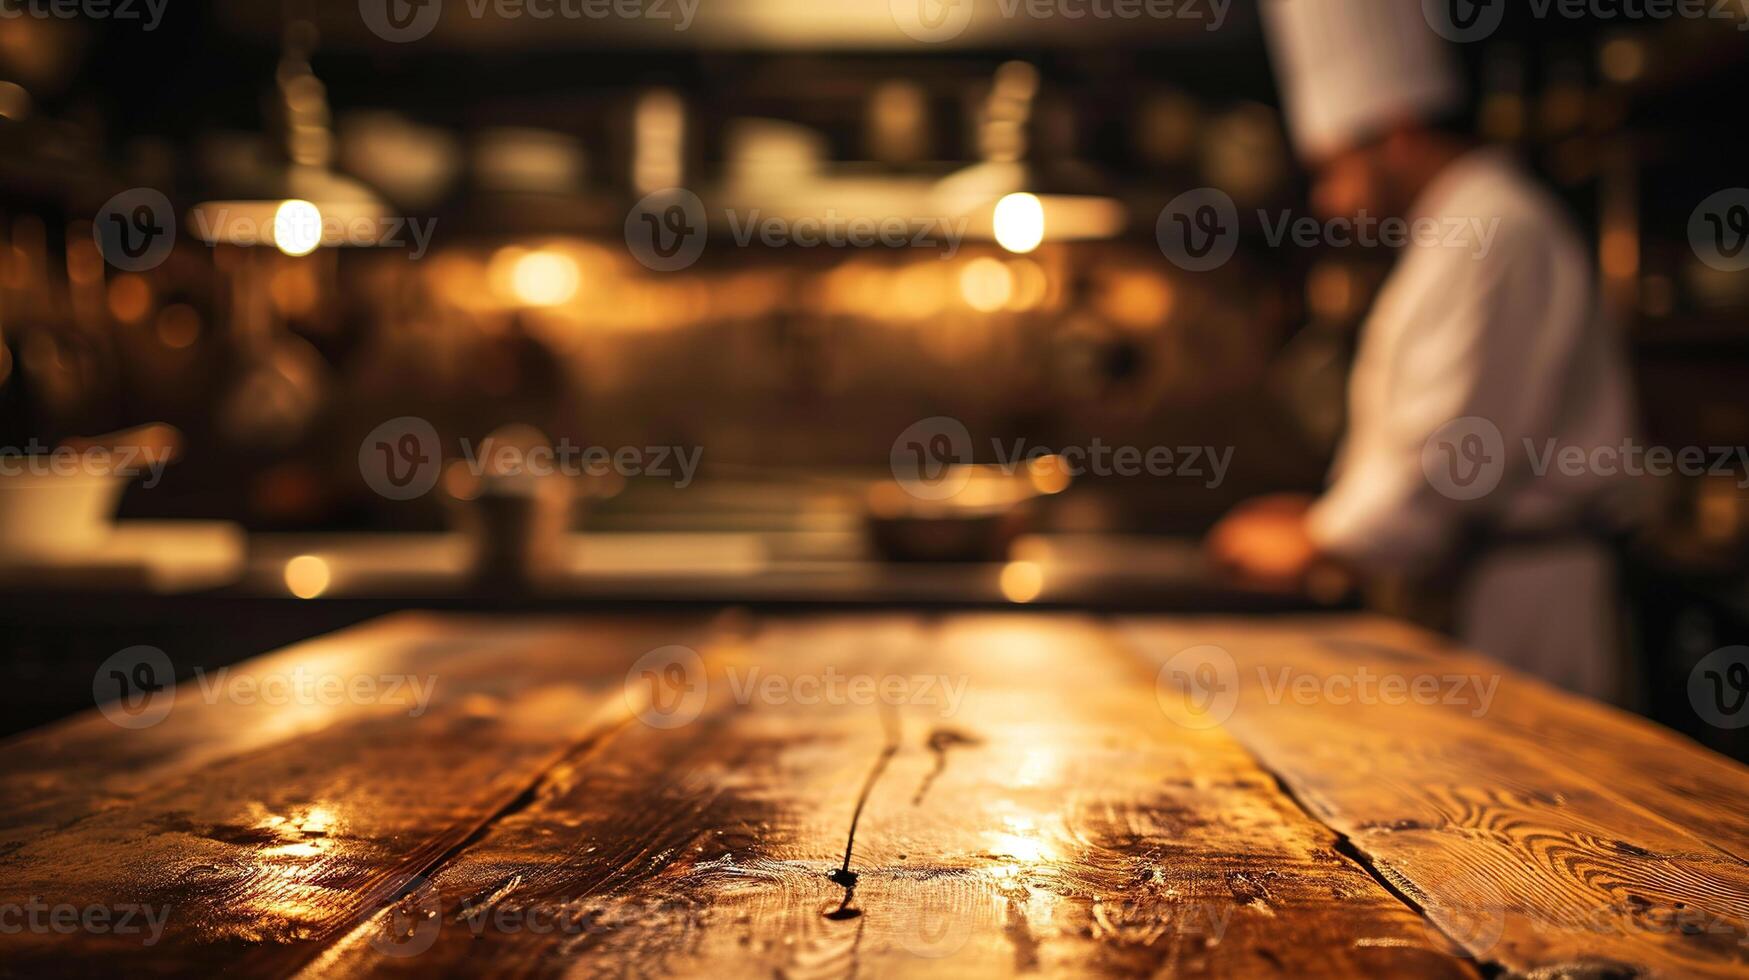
<point>1487,339</point>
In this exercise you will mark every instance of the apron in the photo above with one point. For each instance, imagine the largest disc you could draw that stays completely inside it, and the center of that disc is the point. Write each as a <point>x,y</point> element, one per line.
<point>1550,608</point>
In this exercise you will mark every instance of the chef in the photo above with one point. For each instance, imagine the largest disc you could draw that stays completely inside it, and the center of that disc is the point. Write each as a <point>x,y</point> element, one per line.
<point>1485,350</point>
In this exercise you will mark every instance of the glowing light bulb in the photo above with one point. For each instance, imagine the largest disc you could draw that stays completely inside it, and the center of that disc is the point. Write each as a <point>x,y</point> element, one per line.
<point>544,278</point>
<point>297,227</point>
<point>1019,222</point>
<point>307,576</point>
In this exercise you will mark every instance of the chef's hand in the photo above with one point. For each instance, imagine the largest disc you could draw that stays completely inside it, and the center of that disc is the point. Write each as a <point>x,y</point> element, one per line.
<point>1264,542</point>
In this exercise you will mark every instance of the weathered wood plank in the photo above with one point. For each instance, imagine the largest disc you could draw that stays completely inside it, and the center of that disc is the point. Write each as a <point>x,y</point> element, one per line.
<point>1047,819</point>
<point>1543,832</point>
<point>263,830</point>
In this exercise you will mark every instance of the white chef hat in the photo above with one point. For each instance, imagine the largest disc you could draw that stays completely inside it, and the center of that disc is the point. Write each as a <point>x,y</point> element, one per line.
<point>1350,68</point>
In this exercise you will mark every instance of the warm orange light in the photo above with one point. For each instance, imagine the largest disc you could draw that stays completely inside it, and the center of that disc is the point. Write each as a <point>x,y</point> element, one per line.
<point>919,290</point>
<point>1049,474</point>
<point>1020,222</point>
<point>545,278</point>
<point>130,298</point>
<point>1031,285</point>
<point>307,576</point>
<point>177,326</point>
<point>1021,581</point>
<point>1137,299</point>
<point>297,227</point>
<point>1621,254</point>
<point>986,285</point>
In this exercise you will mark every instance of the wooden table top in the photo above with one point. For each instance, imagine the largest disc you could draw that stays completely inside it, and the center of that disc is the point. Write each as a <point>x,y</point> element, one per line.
<point>883,794</point>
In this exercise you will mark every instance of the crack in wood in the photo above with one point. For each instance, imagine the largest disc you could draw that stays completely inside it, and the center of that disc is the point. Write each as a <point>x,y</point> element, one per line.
<point>844,876</point>
<point>1347,848</point>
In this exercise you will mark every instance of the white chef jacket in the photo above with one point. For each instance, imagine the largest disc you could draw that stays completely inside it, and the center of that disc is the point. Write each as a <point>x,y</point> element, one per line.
<point>1491,313</point>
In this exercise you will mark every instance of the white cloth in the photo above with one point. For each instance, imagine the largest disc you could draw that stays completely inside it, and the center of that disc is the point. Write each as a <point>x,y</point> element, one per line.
<point>1502,323</point>
<point>1350,68</point>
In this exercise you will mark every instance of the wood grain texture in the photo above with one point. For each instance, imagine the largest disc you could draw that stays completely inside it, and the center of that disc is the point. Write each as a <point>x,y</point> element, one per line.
<point>1045,820</point>
<point>662,797</point>
<point>1547,834</point>
<point>261,831</point>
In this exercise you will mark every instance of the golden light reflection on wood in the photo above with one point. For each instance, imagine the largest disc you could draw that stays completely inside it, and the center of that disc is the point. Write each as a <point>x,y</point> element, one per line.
<point>1003,796</point>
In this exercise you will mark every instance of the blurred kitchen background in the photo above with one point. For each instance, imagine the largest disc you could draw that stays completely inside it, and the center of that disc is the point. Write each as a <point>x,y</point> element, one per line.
<point>521,144</point>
